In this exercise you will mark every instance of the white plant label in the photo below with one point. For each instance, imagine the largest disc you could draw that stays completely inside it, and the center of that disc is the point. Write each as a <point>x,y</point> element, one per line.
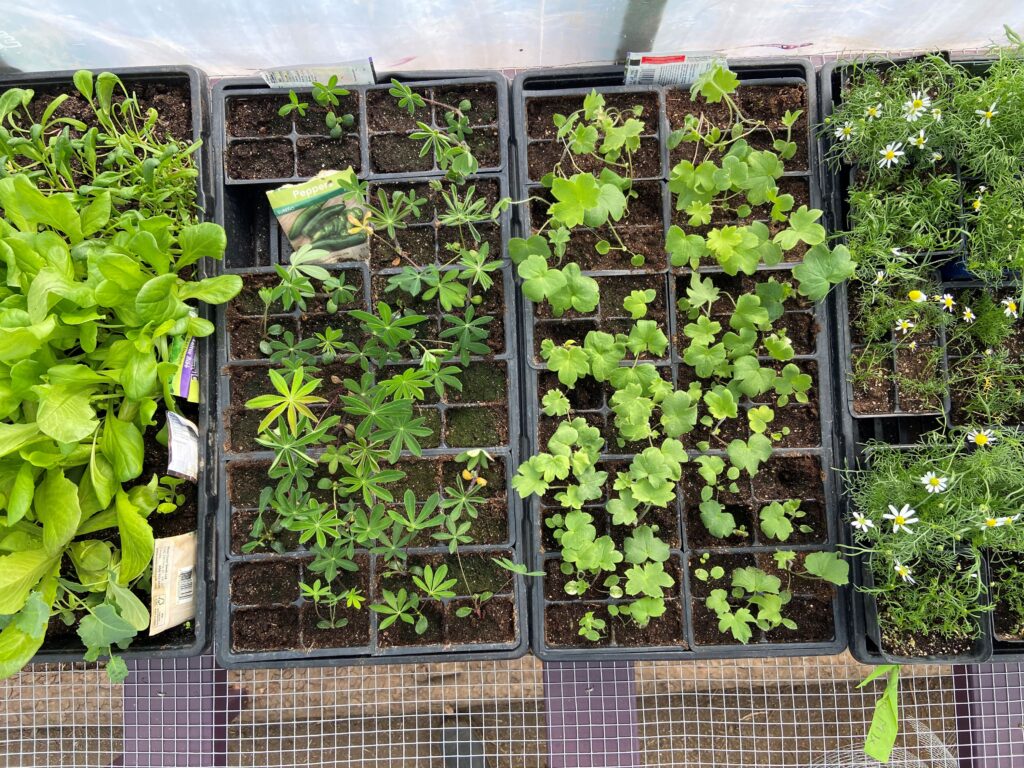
<point>182,447</point>
<point>356,72</point>
<point>173,600</point>
<point>669,68</point>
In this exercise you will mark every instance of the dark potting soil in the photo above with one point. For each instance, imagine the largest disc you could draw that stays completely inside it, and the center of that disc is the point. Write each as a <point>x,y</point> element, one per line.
<point>587,395</point>
<point>802,329</point>
<point>874,393</point>
<point>314,122</point>
<point>789,477</point>
<point>257,116</point>
<point>482,382</point>
<point>916,366</point>
<point>540,111</point>
<point>767,103</point>
<point>917,645</point>
<point>354,634</point>
<point>543,156</point>
<point>242,427</point>
<point>248,382</point>
<point>248,301</point>
<point>402,634</point>
<point>498,615</point>
<point>484,144</point>
<point>172,102</point>
<point>483,108</point>
<point>318,154</point>
<point>666,630</point>
<point>260,159</point>
<point>476,427</point>
<point>812,613</point>
<point>698,536</point>
<point>804,424</point>
<point>246,333</point>
<point>384,114</point>
<point>416,245</point>
<point>562,625</point>
<point>264,629</point>
<point>265,583</point>
<point>398,152</point>
<point>245,481</point>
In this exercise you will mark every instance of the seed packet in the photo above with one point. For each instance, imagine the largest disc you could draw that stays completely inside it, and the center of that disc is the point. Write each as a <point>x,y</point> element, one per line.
<point>320,213</point>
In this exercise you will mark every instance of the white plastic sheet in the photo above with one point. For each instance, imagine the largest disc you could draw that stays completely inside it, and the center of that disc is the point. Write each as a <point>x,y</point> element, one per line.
<point>241,36</point>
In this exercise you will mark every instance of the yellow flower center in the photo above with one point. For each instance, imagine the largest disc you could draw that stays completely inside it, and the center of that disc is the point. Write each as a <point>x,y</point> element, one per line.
<point>980,439</point>
<point>934,482</point>
<point>918,104</point>
<point>991,522</point>
<point>988,115</point>
<point>890,155</point>
<point>900,520</point>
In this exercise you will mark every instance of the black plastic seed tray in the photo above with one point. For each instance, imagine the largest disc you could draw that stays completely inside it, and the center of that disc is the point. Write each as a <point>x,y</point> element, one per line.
<point>180,641</point>
<point>295,147</point>
<point>257,246</point>
<point>535,96</point>
<point>898,427</point>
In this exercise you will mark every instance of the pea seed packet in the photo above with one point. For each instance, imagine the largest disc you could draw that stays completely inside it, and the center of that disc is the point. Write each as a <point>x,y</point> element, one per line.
<point>320,213</point>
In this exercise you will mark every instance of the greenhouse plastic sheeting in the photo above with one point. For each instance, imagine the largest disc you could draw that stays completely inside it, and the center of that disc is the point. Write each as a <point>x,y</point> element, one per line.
<point>240,36</point>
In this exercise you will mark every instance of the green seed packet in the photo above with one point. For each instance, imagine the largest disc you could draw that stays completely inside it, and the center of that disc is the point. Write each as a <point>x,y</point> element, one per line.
<point>320,213</point>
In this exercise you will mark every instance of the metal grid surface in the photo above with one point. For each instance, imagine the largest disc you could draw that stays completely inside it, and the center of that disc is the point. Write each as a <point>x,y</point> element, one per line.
<point>726,714</point>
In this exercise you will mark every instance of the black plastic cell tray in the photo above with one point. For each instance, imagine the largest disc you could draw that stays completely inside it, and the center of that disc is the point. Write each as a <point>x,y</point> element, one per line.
<point>579,82</point>
<point>856,429</point>
<point>239,87</point>
<point>144,647</point>
<point>256,245</point>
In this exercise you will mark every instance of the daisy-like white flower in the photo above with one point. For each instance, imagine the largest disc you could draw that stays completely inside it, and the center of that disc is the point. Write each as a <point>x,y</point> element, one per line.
<point>904,326</point>
<point>903,572</point>
<point>937,114</point>
<point>946,300</point>
<point>918,297</point>
<point>933,483</point>
<point>861,522</point>
<point>986,115</point>
<point>902,518</point>
<point>913,346</point>
<point>914,107</point>
<point>1009,308</point>
<point>969,315</point>
<point>936,157</point>
<point>918,140</point>
<point>845,131</point>
<point>994,522</point>
<point>879,276</point>
<point>891,154</point>
<point>976,203</point>
<point>873,113</point>
<point>1008,520</point>
<point>981,437</point>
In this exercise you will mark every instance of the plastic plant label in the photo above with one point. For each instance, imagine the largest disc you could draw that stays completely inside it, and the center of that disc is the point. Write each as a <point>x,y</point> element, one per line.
<point>184,353</point>
<point>182,447</point>
<point>318,213</point>
<point>669,68</point>
<point>173,599</point>
<point>355,72</point>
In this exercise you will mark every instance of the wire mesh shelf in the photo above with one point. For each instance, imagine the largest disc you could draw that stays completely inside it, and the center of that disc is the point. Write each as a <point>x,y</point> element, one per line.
<point>516,714</point>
